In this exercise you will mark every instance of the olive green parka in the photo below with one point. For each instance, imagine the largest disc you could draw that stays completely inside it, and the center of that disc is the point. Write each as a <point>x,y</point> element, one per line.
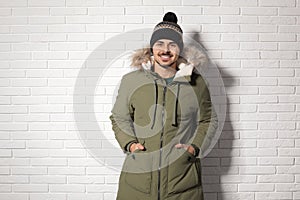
<point>159,116</point>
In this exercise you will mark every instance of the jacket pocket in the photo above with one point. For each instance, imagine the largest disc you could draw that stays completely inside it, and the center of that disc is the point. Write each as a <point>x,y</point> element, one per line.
<point>137,173</point>
<point>184,174</point>
<point>139,181</point>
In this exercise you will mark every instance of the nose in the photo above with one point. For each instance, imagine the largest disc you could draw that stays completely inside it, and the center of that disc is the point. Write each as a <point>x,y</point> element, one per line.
<point>166,48</point>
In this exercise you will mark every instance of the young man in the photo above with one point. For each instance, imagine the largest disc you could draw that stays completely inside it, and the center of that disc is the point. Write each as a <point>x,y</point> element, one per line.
<point>160,118</point>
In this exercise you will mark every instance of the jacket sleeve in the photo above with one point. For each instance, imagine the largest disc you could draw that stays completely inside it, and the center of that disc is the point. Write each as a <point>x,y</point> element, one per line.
<point>207,117</point>
<point>122,117</point>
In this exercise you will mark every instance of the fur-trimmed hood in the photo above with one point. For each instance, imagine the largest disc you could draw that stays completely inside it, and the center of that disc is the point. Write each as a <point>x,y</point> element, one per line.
<point>192,59</point>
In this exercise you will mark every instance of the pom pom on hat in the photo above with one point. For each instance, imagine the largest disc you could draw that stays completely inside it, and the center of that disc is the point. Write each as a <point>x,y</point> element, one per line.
<point>168,29</point>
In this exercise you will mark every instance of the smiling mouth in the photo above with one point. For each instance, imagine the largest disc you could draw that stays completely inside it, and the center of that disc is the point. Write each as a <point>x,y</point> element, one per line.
<point>165,58</point>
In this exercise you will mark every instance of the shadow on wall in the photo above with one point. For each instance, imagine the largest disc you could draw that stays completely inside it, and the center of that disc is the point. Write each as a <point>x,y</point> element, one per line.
<point>218,162</point>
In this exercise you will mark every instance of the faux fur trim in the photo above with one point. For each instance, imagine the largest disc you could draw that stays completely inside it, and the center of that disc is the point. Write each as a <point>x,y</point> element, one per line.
<point>192,56</point>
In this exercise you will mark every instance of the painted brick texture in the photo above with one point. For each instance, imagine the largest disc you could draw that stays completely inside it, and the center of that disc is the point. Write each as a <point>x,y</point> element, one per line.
<point>44,46</point>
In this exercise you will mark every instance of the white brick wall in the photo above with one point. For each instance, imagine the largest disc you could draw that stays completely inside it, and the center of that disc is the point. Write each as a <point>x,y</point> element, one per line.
<point>43,45</point>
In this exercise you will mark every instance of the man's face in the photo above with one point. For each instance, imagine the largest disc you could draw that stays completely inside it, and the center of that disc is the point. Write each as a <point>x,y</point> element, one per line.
<point>166,52</point>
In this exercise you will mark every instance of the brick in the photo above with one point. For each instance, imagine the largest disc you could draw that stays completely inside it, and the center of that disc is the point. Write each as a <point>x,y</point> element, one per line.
<point>4,29</point>
<point>288,169</point>
<point>28,29</point>
<point>4,99</point>
<point>251,152</point>
<point>66,28</point>
<point>241,126</point>
<point>84,3</point>
<point>277,126</point>
<point>30,11</point>
<point>238,161</point>
<point>45,73</point>
<point>84,19</point>
<point>277,195</point>
<point>289,152</point>
<point>42,144</point>
<point>47,20</point>
<point>289,11</point>
<point>89,196</point>
<point>258,28</point>
<point>48,161</point>
<point>281,37</point>
<point>52,3</point>
<point>289,29</point>
<point>5,12</point>
<point>259,11</point>
<point>51,37</point>
<point>37,196</point>
<point>239,20</point>
<point>201,19</point>
<point>274,161</point>
<point>29,100</point>
<point>146,10</point>
<point>43,126</point>
<point>259,170</point>
<point>5,188</point>
<point>276,108</point>
<point>31,118</point>
<point>278,20</point>
<point>237,179</point>
<point>240,54</point>
<point>284,55</point>
<point>289,81</point>
<point>85,37</point>
<point>258,187</point>
<point>7,144</point>
<point>242,91</point>
<point>83,162</point>
<point>157,2</point>
<point>216,188</point>
<point>71,188</point>
<point>29,171</point>
<point>30,188</point>
<point>95,28</point>
<point>264,46</point>
<point>24,153</point>
<point>66,171</point>
<point>276,178</point>
<point>290,46</point>
<point>277,3</point>
<point>221,11</point>
<point>275,143</point>
<point>68,11</point>
<point>14,196</point>
<point>86,179</point>
<point>30,47</point>
<point>13,126</point>
<point>108,10</point>
<point>5,153</point>
<point>276,72</point>
<point>123,3</point>
<point>5,47</point>
<point>258,116</point>
<point>258,134</point>
<point>102,188</point>
<point>116,19</point>
<point>15,55</point>
<point>12,20</point>
<point>258,81</point>
<point>50,55</point>
<point>189,10</point>
<point>220,28</point>
<point>67,153</point>
<point>288,117</point>
<point>288,134</point>
<point>237,143</point>
<point>260,64</point>
<point>238,196</point>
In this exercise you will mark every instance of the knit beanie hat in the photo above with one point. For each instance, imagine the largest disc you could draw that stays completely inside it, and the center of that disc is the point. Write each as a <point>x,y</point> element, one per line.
<point>168,29</point>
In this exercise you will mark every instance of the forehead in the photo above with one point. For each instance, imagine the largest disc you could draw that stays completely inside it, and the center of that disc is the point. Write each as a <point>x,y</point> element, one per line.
<point>167,41</point>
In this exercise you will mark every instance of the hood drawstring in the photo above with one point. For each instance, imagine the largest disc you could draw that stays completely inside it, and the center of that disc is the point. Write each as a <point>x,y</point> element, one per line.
<point>156,101</point>
<point>175,120</point>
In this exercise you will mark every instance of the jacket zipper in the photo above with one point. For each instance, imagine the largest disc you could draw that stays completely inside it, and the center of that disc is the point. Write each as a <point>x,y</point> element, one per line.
<point>161,139</point>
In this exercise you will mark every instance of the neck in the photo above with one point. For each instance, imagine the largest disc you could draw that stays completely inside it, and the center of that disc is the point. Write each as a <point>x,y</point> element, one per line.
<point>165,71</point>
